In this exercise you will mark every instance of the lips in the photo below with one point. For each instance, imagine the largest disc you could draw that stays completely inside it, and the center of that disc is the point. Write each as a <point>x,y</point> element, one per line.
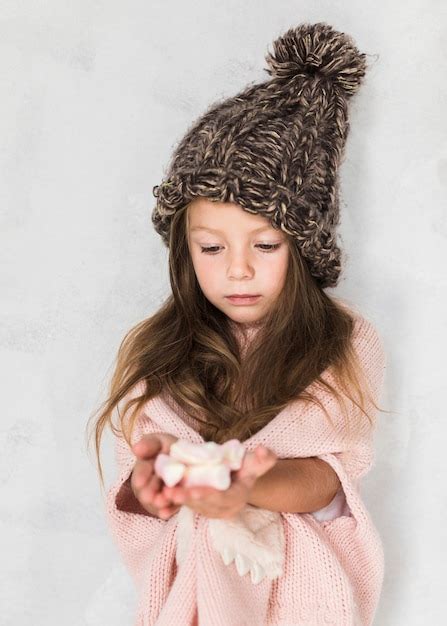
<point>243,300</point>
<point>243,295</point>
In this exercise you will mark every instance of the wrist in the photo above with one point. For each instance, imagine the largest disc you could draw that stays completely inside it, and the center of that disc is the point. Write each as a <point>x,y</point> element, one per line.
<point>255,493</point>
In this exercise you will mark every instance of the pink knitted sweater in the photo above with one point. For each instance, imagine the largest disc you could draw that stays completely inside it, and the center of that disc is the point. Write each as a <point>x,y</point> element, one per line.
<point>332,562</point>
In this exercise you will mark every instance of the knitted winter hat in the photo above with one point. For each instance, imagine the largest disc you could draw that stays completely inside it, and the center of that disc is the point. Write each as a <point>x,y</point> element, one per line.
<point>275,148</point>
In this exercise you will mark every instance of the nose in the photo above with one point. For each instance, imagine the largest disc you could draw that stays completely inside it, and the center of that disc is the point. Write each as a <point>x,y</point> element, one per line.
<point>240,266</point>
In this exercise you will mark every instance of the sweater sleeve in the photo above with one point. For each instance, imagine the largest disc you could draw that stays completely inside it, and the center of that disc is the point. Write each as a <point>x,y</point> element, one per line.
<point>351,537</point>
<point>310,432</point>
<point>353,456</point>
<point>133,529</point>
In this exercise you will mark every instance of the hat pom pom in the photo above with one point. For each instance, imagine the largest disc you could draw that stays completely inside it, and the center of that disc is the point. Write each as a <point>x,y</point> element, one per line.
<point>310,49</point>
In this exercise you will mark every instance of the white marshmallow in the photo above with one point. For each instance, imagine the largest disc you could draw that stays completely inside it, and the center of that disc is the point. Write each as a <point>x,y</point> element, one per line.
<point>217,476</point>
<point>170,470</point>
<point>195,453</point>
<point>206,464</point>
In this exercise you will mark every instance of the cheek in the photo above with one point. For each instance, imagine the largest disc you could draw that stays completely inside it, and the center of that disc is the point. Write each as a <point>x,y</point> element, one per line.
<point>278,272</point>
<point>205,272</point>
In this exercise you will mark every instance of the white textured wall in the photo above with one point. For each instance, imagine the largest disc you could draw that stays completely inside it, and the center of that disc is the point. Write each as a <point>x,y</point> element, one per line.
<point>93,97</point>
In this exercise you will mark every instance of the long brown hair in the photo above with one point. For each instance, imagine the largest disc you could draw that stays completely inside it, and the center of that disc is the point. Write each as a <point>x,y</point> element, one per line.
<point>188,350</point>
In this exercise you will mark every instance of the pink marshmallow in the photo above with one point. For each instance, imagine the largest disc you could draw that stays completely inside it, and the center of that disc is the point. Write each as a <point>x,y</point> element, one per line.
<point>206,464</point>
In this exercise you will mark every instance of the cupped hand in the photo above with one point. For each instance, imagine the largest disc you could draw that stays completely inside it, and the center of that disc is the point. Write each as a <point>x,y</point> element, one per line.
<point>226,503</point>
<point>146,485</point>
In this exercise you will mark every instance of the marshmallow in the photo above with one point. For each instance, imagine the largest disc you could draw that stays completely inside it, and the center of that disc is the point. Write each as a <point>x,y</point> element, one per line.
<point>195,453</point>
<point>217,476</point>
<point>206,464</point>
<point>169,469</point>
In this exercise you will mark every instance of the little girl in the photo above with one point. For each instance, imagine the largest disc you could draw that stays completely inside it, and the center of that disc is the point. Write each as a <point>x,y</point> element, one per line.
<point>249,346</point>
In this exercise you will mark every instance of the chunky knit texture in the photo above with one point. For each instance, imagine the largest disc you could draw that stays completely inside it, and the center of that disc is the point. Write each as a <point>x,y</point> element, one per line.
<point>333,570</point>
<point>244,334</point>
<point>275,148</point>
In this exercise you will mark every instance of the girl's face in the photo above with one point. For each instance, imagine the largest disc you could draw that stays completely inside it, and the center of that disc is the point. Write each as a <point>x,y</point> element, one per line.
<point>236,252</point>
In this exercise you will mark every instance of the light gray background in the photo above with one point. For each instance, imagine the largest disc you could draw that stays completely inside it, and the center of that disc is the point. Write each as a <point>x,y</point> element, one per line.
<point>94,96</point>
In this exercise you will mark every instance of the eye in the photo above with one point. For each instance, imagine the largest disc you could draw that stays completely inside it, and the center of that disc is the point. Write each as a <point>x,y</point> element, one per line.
<point>271,247</point>
<point>208,250</point>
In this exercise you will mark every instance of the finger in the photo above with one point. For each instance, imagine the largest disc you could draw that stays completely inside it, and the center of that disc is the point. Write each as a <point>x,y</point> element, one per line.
<point>166,440</point>
<point>154,487</point>
<point>161,501</point>
<point>147,447</point>
<point>147,493</point>
<point>256,464</point>
<point>265,457</point>
<point>180,491</point>
<point>142,473</point>
<point>203,493</point>
<point>176,493</point>
<point>168,511</point>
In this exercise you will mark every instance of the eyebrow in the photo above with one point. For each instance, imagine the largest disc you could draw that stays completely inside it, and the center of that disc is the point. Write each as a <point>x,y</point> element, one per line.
<point>214,230</point>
